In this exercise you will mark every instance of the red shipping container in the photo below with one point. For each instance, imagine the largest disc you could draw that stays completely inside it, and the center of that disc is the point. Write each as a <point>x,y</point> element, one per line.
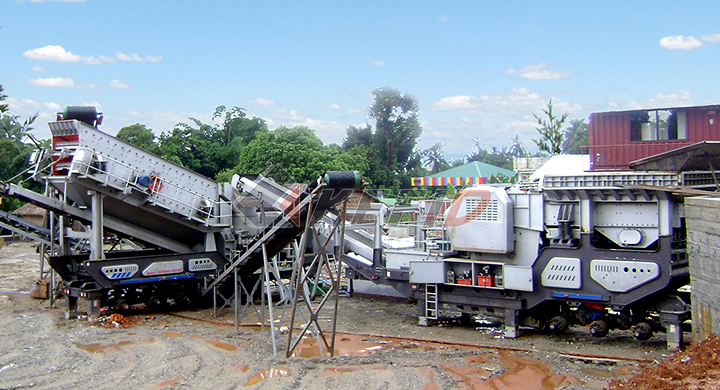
<point>466,282</point>
<point>616,138</point>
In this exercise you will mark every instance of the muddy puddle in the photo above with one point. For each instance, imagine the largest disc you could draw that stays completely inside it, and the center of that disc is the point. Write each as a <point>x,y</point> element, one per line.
<point>358,345</point>
<point>164,384</point>
<point>103,348</point>
<point>329,371</point>
<point>513,372</point>
<point>345,345</point>
<point>499,370</point>
<point>221,344</point>
<point>277,372</point>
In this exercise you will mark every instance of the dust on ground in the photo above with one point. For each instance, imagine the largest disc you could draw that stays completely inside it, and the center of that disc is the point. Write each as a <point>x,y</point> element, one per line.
<point>379,346</point>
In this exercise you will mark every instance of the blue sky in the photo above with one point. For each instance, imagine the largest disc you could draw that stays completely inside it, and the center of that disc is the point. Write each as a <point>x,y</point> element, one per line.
<point>479,69</point>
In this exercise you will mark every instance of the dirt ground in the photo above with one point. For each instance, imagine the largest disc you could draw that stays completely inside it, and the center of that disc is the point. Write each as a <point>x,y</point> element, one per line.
<point>379,346</point>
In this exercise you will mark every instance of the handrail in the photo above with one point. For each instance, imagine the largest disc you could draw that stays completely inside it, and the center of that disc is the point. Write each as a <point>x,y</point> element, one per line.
<point>203,215</point>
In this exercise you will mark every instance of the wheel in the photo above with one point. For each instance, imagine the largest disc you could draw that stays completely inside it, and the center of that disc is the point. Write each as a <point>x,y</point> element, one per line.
<point>183,300</point>
<point>623,321</point>
<point>599,329</point>
<point>558,325</point>
<point>154,302</point>
<point>642,331</point>
<point>120,304</point>
<point>583,318</point>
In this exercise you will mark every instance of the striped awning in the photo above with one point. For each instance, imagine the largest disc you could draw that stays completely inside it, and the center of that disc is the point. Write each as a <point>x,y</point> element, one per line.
<point>444,181</point>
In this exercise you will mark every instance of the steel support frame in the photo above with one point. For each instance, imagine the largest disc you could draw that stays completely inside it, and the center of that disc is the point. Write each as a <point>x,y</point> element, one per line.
<point>304,285</point>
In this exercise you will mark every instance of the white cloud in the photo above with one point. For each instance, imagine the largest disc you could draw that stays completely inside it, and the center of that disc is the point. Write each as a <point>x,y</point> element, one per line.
<point>538,72</point>
<point>106,59</point>
<point>129,57</point>
<point>334,106</point>
<point>37,69</point>
<point>165,120</point>
<point>119,84</point>
<point>54,53</point>
<point>93,104</point>
<point>611,102</point>
<point>29,103</point>
<point>378,63</point>
<point>443,19</point>
<point>491,119</point>
<point>682,98</point>
<point>675,42</point>
<point>712,38</point>
<point>276,115</point>
<point>519,99</point>
<point>353,111</point>
<point>52,106</point>
<point>263,102</point>
<point>16,105</point>
<point>456,103</point>
<point>56,82</point>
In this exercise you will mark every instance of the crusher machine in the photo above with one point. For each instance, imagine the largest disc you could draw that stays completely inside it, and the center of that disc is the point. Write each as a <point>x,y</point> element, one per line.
<point>603,249</point>
<point>189,233</point>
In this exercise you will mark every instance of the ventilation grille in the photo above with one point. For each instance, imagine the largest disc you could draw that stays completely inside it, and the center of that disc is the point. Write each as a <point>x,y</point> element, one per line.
<point>562,272</point>
<point>561,277</point>
<point>119,271</point>
<point>623,275</point>
<point>201,265</point>
<point>606,268</point>
<point>477,209</point>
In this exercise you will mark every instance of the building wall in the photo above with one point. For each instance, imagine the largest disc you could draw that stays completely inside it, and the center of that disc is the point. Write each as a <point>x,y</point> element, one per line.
<point>702,216</point>
<point>609,137</point>
<point>36,219</point>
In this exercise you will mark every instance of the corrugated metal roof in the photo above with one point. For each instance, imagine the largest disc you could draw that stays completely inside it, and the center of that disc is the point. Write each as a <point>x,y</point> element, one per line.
<point>696,157</point>
<point>475,169</point>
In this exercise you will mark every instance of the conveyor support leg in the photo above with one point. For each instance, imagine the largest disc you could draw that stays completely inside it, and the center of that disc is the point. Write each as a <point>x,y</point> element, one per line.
<point>511,323</point>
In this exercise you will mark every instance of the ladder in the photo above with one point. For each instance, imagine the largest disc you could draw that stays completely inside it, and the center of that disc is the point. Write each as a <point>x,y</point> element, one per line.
<point>431,301</point>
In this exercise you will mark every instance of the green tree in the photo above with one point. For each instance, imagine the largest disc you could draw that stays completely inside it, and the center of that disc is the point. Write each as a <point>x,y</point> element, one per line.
<point>179,146</point>
<point>575,136</point>
<point>3,106</point>
<point>294,154</point>
<point>551,136</point>
<point>14,152</point>
<point>516,149</point>
<point>435,158</point>
<point>211,148</point>
<point>13,159</point>
<point>237,126</point>
<point>11,128</point>
<point>358,136</point>
<point>497,157</point>
<point>397,129</point>
<point>140,136</point>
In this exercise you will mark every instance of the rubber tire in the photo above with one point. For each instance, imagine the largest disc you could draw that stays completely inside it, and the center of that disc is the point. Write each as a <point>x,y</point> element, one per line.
<point>642,331</point>
<point>558,325</point>
<point>599,329</point>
